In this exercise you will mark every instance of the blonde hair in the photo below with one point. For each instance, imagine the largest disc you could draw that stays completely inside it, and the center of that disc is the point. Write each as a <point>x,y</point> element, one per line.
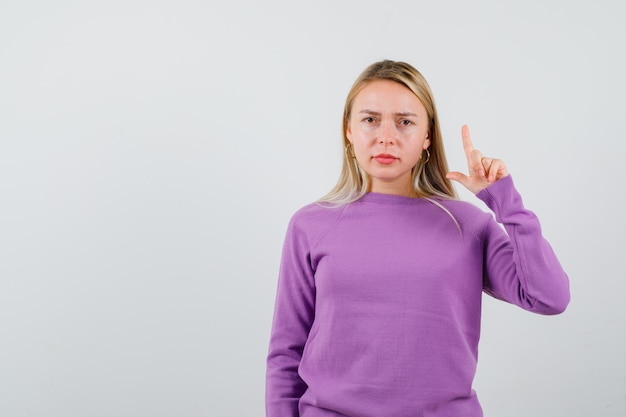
<point>429,175</point>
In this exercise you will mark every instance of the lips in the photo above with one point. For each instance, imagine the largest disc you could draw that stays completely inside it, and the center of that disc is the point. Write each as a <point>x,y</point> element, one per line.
<point>385,158</point>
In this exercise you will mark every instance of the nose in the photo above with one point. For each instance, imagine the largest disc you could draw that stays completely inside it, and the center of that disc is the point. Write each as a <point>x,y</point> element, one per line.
<point>387,133</point>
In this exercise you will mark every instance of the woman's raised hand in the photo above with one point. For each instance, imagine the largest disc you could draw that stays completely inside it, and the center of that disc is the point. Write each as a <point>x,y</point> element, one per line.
<point>483,171</point>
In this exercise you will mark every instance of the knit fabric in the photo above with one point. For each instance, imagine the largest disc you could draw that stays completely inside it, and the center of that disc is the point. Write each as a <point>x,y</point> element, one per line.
<point>378,303</point>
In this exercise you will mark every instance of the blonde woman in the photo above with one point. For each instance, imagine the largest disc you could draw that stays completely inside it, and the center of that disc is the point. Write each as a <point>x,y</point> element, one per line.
<point>379,294</point>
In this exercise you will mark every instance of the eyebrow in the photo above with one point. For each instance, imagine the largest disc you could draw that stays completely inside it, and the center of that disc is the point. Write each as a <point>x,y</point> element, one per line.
<point>375,113</point>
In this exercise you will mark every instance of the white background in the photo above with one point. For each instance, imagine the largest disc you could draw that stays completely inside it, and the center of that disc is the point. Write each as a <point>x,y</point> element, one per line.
<point>152,153</point>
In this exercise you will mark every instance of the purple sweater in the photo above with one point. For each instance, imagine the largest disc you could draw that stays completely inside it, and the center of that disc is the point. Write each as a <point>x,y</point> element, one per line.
<point>379,301</point>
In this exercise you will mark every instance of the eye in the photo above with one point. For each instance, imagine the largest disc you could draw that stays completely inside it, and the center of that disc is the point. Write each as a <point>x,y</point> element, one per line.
<point>369,120</point>
<point>405,122</point>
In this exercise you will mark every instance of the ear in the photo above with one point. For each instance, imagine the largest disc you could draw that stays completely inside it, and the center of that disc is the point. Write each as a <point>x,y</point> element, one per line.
<point>349,132</point>
<point>426,143</point>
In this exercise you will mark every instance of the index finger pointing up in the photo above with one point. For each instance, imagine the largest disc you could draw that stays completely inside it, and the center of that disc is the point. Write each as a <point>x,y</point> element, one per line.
<point>467,141</point>
<point>473,156</point>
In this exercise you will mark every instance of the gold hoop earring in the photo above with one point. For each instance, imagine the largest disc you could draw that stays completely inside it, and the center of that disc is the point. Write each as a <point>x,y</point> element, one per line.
<point>350,151</point>
<point>427,156</point>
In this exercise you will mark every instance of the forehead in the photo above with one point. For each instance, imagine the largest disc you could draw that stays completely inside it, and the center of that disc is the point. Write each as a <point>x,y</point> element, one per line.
<point>386,95</point>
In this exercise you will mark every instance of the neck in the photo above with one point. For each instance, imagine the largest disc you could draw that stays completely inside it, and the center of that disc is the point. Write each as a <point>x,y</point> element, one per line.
<point>404,189</point>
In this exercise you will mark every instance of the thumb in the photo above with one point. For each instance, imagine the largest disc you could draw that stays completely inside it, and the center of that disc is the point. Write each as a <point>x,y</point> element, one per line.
<point>458,177</point>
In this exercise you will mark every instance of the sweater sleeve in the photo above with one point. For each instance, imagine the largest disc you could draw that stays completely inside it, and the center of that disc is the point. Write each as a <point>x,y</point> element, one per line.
<point>520,266</point>
<point>293,318</point>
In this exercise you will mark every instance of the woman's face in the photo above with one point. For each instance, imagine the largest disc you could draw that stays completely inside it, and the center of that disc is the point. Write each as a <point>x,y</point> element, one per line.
<point>388,129</point>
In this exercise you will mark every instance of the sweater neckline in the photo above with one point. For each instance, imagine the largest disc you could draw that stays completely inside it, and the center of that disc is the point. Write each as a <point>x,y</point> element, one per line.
<point>380,198</point>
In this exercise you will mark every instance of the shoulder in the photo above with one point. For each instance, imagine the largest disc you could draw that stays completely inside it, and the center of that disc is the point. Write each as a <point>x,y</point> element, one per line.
<point>468,216</point>
<point>315,213</point>
<point>314,220</point>
<point>463,209</point>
